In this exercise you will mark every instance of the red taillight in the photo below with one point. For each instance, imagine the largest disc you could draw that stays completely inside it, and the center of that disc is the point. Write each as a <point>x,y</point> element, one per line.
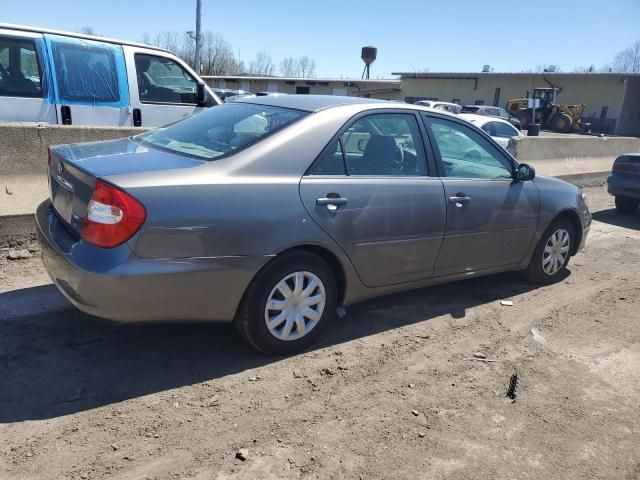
<point>113,216</point>
<point>49,156</point>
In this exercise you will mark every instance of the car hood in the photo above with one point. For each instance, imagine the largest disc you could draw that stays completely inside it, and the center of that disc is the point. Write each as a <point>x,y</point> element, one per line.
<point>120,157</point>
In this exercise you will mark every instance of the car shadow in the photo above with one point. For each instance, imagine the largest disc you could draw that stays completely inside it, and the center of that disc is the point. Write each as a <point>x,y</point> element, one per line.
<point>613,217</point>
<point>63,362</point>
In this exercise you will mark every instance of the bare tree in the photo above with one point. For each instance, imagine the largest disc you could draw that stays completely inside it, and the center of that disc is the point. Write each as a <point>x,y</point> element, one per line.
<point>262,64</point>
<point>288,67</point>
<point>306,67</point>
<point>89,30</point>
<point>628,60</point>
<point>217,56</point>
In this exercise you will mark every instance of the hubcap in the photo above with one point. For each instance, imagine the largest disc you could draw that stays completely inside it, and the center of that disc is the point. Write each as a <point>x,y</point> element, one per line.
<point>294,306</point>
<point>556,251</point>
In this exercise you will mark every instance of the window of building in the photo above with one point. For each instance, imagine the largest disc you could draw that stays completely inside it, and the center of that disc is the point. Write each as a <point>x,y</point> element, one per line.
<point>302,90</point>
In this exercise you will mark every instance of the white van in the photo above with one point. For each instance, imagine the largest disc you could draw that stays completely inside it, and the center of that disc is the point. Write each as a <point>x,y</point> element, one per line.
<point>68,78</point>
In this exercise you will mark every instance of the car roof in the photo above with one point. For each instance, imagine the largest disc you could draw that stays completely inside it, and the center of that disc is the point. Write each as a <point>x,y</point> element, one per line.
<point>27,28</point>
<point>479,120</point>
<point>313,103</point>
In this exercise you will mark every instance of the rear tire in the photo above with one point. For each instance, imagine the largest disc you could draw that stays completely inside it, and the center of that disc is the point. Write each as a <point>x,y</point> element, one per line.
<point>626,205</point>
<point>561,123</point>
<point>297,317</point>
<point>552,254</point>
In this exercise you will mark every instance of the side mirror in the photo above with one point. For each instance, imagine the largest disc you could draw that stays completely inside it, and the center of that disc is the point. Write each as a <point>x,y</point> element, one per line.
<point>201,94</point>
<point>362,144</point>
<point>525,172</point>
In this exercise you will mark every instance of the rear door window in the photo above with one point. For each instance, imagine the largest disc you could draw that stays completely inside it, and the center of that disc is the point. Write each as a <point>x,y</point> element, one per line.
<point>162,80</point>
<point>503,130</point>
<point>19,68</point>
<point>87,72</point>
<point>386,144</point>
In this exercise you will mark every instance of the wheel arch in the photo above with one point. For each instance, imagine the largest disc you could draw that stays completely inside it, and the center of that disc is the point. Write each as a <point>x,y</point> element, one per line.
<point>574,218</point>
<point>330,258</point>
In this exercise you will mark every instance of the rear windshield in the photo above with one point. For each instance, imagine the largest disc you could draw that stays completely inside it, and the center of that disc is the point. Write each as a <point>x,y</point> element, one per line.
<point>221,130</point>
<point>469,109</point>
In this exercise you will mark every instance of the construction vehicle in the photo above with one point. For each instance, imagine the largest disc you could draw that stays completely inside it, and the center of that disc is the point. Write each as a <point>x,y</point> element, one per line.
<point>550,114</point>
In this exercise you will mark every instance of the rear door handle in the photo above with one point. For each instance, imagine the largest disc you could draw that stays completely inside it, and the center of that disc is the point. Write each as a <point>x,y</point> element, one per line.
<point>332,203</point>
<point>459,199</point>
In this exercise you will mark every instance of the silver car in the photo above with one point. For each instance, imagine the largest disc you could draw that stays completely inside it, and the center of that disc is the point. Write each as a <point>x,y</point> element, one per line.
<point>274,211</point>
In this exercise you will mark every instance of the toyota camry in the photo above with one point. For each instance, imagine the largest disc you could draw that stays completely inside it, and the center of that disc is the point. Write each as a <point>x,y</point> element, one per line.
<point>273,212</point>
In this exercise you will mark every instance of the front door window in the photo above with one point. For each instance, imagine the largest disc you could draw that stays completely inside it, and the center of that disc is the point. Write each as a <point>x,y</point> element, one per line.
<point>162,80</point>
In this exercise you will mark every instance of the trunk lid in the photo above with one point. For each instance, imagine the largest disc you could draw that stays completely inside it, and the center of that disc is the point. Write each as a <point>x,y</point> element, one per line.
<point>73,170</point>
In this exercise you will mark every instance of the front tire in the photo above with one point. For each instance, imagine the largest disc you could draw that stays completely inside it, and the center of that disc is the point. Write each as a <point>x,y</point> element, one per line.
<point>288,304</point>
<point>626,205</point>
<point>561,123</point>
<point>551,256</point>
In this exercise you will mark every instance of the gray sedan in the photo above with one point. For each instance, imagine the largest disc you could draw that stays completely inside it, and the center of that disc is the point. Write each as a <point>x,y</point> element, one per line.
<point>274,211</point>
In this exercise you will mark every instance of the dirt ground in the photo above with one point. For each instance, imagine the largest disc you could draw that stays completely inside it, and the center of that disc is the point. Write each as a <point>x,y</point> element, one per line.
<point>394,390</point>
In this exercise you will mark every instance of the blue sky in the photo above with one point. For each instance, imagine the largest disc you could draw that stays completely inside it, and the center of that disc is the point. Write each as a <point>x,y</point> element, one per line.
<point>411,35</point>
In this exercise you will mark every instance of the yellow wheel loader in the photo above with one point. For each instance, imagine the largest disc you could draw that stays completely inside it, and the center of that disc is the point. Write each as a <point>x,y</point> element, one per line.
<point>550,114</point>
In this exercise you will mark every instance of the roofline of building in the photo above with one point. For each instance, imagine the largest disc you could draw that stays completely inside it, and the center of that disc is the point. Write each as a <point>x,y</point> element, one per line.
<point>511,74</point>
<point>50,31</point>
<point>299,79</point>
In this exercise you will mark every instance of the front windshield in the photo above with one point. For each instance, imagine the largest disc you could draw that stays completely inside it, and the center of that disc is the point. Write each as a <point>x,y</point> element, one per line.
<point>221,130</point>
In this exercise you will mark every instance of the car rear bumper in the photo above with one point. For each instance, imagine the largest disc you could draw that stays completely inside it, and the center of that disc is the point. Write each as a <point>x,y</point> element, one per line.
<point>624,185</point>
<point>115,284</point>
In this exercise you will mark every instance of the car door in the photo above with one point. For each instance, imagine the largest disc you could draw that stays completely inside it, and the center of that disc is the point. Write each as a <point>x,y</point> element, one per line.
<point>163,90</point>
<point>24,93</point>
<point>491,218</point>
<point>370,190</point>
<point>89,81</point>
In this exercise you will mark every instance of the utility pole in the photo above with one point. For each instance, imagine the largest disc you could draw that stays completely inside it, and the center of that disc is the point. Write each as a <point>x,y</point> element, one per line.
<point>196,60</point>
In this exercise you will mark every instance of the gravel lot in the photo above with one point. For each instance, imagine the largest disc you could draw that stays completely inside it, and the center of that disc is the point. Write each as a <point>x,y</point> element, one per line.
<point>394,391</point>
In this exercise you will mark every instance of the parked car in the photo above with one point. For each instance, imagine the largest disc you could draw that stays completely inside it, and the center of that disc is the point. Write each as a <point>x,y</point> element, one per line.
<point>500,130</point>
<point>446,106</point>
<point>226,93</point>
<point>492,112</point>
<point>272,211</point>
<point>624,182</point>
<point>65,78</point>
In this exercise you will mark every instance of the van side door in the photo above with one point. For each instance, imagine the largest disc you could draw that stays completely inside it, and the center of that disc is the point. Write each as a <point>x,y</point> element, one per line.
<point>163,88</point>
<point>24,92</point>
<point>89,81</point>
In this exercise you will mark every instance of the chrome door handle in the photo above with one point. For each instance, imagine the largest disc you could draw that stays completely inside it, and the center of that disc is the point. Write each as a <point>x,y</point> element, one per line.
<point>459,200</point>
<point>332,203</point>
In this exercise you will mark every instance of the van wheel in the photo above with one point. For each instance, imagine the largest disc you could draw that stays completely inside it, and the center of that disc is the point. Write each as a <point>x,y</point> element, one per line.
<point>626,204</point>
<point>288,304</point>
<point>552,254</point>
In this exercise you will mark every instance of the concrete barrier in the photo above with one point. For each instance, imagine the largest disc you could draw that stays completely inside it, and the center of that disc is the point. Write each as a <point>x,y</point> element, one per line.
<point>23,159</point>
<point>571,155</point>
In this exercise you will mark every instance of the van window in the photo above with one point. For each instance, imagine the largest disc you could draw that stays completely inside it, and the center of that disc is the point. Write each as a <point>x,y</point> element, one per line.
<point>86,72</point>
<point>162,80</point>
<point>19,68</point>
